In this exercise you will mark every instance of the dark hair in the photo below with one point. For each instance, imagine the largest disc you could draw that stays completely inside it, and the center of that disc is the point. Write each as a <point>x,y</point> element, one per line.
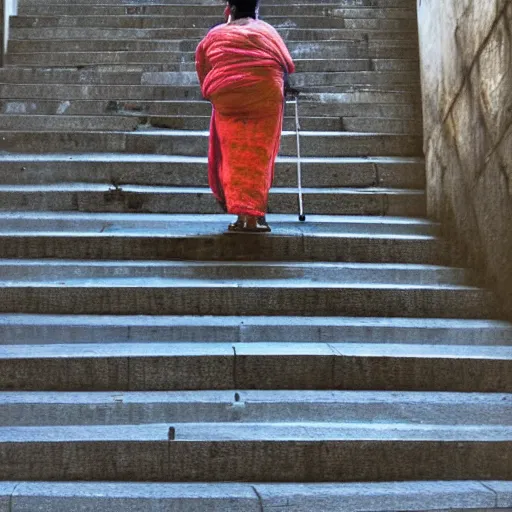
<point>245,8</point>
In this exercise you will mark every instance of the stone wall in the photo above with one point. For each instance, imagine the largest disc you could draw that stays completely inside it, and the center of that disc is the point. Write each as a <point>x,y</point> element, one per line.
<point>466,66</point>
<point>1,31</point>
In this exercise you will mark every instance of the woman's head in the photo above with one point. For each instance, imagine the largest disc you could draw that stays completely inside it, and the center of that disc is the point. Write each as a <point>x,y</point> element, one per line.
<point>244,8</point>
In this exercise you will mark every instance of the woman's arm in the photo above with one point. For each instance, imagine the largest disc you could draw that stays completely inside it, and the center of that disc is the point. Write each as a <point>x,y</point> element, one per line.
<point>290,65</point>
<point>202,64</point>
<point>285,59</point>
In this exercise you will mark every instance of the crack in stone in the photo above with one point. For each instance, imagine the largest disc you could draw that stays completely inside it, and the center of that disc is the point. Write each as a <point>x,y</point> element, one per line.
<point>498,144</point>
<point>493,491</point>
<point>12,496</point>
<point>260,499</point>
<point>377,175</point>
<point>476,58</point>
<point>235,369</point>
<point>466,194</point>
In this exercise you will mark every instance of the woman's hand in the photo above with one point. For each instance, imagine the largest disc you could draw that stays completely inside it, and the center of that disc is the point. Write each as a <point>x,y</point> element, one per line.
<point>288,89</point>
<point>291,91</point>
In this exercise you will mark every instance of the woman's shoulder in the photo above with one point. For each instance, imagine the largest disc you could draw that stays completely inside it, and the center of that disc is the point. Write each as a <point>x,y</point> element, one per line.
<point>266,27</point>
<point>216,28</point>
<point>213,34</point>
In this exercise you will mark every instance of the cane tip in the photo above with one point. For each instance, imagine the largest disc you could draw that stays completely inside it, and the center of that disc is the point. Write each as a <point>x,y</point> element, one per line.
<point>302,218</point>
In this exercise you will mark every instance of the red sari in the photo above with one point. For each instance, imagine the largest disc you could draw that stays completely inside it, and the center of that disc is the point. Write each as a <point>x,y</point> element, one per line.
<point>241,66</point>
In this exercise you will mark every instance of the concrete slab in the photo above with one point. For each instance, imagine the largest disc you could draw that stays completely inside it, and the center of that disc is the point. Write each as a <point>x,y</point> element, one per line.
<point>95,367</point>
<point>130,122</point>
<point>124,407</point>
<point>318,225</point>
<point>243,273</point>
<point>371,497</point>
<point>95,351</point>
<point>36,329</point>
<point>287,431</point>
<point>212,16</point>
<point>389,106</point>
<point>423,452</point>
<point>134,497</point>
<point>138,20</point>
<point>131,296</point>
<point>192,143</point>
<point>380,367</point>
<point>262,366</point>
<point>215,245</point>
<point>380,9</point>
<point>190,33</point>
<point>503,491</point>
<point>162,170</point>
<point>6,491</point>
<point>157,497</point>
<point>116,368</point>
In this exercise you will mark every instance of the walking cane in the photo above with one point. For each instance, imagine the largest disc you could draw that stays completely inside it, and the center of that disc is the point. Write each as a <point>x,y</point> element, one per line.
<point>302,217</point>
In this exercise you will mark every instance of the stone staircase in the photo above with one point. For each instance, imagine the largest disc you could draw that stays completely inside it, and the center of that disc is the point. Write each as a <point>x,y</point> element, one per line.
<point>149,361</point>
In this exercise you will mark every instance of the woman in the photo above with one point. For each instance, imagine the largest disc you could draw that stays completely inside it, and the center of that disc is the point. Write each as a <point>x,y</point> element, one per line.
<point>242,65</point>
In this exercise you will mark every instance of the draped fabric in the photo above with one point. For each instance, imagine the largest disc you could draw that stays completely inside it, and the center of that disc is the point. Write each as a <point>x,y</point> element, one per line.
<point>241,66</point>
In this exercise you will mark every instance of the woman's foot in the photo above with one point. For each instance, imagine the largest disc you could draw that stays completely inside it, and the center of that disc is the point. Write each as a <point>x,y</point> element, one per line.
<point>249,224</point>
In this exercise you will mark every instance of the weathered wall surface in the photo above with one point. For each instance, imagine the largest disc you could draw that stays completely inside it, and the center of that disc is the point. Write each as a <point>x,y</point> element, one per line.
<point>466,54</point>
<point>1,30</point>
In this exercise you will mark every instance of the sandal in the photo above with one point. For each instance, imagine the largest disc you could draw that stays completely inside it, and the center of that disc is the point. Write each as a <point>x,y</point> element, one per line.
<point>249,224</point>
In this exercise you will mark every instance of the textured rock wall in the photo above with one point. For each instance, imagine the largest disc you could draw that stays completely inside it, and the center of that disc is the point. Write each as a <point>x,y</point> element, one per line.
<point>1,30</point>
<point>466,61</point>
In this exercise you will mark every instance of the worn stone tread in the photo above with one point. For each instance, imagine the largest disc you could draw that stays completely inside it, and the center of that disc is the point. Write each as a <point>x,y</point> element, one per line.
<point>455,496</point>
<point>37,329</point>
<point>102,408</point>
<point>258,366</point>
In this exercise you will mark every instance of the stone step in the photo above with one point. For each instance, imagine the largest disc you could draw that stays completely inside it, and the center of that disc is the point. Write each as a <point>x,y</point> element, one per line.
<point>174,62</point>
<point>23,329</point>
<point>135,20</point>
<point>378,105</point>
<point>183,366</point>
<point>176,225</point>
<point>35,409</point>
<point>160,170</point>
<point>192,14</point>
<point>144,452</point>
<point>84,91</point>
<point>180,51</point>
<point>36,123</point>
<point>407,62</point>
<point>65,123</point>
<point>176,92</point>
<point>335,144</point>
<point>97,197</point>
<point>371,85</point>
<point>306,80</point>
<point>131,73</point>
<point>115,294</point>
<point>454,496</point>
<point>199,237</point>
<point>63,78</point>
<point>269,7</point>
<point>195,143</point>
<point>299,49</point>
<point>349,124</point>
<point>222,274</point>
<point>288,34</point>
<point>368,3</point>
